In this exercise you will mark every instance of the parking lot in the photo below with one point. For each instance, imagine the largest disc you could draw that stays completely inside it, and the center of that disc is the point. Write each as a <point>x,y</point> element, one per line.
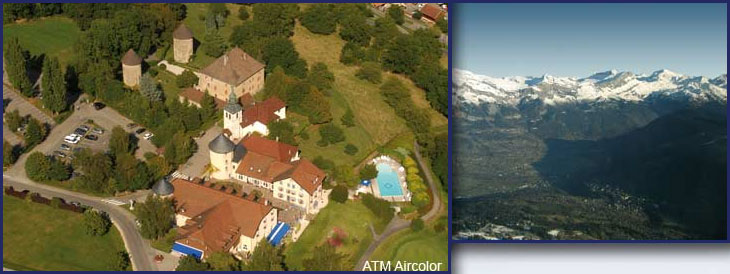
<point>99,145</point>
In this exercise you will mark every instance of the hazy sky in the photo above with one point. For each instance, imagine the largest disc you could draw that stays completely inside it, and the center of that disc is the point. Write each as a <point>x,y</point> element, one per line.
<point>580,39</point>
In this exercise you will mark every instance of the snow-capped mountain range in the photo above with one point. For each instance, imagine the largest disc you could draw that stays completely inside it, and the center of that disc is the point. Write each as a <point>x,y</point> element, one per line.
<point>610,85</point>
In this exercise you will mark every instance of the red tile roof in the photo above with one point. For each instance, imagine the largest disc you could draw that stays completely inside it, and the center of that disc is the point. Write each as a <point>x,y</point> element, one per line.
<point>262,112</point>
<point>217,218</point>
<point>280,152</point>
<point>433,12</point>
<point>307,175</point>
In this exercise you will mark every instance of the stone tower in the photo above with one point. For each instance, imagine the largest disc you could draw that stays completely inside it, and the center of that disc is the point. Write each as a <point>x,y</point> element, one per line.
<point>131,68</point>
<point>182,41</point>
<point>232,116</point>
<point>221,156</point>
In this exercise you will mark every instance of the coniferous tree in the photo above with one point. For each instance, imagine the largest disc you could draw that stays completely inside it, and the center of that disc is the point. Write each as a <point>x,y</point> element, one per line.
<point>16,63</point>
<point>148,87</point>
<point>265,258</point>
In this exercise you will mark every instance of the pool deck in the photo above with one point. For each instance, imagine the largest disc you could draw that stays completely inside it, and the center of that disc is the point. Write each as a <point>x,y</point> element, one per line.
<point>400,171</point>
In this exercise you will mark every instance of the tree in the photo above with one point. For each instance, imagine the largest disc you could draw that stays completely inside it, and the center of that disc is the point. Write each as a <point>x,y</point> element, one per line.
<point>283,131</point>
<point>318,18</point>
<point>381,208</point>
<point>120,261</point>
<point>403,55</point>
<point>54,86</point>
<point>370,71</point>
<point>190,263</point>
<point>15,64</point>
<point>243,13</point>
<point>14,120</point>
<point>208,109</point>
<point>325,259</point>
<point>348,119</point>
<point>149,89</point>
<point>351,149</point>
<point>435,81</point>
<point>265,257</point>
<point>179,149</point>
<point>186,79</point>
<point>368,172</point>
<point>222,261</point>
<point>344,175</point>
<point>355,29</point>
<point>34,133</point>
<point>396,12</point>
<point>331,134</point>
<point>280,51</point>
<point>323,163</point>
<point>275,19</point>
<point>95,169</point>
<point>36,166</point>
<point>339,194</point>
<point>214,44</point>
<point>321,77</point>
<point>96,223</point>
<point>156,216</point>
<point>9,156</point>
<point>417,15</point>
<point>316,106</point>
<point>417,224</point>
<point>443,25</point>
<point>120,141</point>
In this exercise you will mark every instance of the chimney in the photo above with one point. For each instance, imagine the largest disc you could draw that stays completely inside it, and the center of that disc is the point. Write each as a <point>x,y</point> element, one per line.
<point>225,60</point>
<point>264,201</point>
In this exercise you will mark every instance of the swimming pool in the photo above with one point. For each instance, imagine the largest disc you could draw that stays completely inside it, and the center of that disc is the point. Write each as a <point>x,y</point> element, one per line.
<point>387,181</point>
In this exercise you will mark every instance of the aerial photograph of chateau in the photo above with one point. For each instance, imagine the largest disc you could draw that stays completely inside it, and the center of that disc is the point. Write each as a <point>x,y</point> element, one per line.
<point>219,136</point>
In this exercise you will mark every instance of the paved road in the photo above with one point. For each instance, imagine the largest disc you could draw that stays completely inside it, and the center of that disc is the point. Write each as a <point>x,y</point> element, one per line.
<point>23,106</point>
<point>195,166</point>
<point>139,250</point>
<point>397,224</point>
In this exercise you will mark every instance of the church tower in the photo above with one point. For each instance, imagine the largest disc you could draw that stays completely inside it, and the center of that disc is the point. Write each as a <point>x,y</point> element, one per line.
<point>232,116</point>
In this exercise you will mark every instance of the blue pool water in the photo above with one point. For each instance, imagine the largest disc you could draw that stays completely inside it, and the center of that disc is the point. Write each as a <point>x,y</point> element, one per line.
<point>388,181</point>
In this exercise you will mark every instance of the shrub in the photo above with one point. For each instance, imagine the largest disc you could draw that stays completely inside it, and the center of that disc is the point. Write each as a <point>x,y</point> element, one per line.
<point>417,224</point>
<point>56,202</point>
<point>381,208</point>
<point>96,223</point>
<point>331,134</point>
<point>417,15</point>
<point>120,261</point>
<point>339,194</point>
<point>350,149</point>
<point>370,71</point>
<point>243,13</point>
<point>186,79</point>
<point>368,172</point>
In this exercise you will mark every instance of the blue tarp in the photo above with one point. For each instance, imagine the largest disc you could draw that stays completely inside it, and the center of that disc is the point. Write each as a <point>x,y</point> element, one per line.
<point>365,182</point>
<point>278,233</point>
<point>187,250</point>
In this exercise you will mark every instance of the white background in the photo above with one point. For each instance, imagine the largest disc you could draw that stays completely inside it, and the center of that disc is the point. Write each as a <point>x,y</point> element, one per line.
<point>590,258</point>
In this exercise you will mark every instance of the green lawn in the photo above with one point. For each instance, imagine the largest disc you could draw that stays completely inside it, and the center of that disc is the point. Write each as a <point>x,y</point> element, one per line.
<point>421,246</point>
<point>53,36</point>
<point>38,237</point>
<point>352,217</point>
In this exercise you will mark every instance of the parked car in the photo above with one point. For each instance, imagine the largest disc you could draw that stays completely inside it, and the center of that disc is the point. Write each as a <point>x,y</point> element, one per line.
<point>91,137</point>
<point>80,131</point>
<point>65,147</point>
<point>97,130</point>
<point>131,125</point>
<point>84,127</point>
<point>139,131</point>
<point>99,105</point>
<point>59,154</point>
<point>148,135</point>
<point>72,139</point>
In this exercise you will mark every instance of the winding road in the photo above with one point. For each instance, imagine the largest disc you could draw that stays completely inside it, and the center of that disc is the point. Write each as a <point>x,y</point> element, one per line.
<point>397,224</point>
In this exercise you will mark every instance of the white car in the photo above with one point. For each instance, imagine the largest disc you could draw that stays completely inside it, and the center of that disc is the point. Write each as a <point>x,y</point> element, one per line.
<point>148,135</point>
<point>72,139</point>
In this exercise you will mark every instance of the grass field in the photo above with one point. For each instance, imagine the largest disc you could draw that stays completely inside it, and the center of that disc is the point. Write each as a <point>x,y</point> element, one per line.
<point>53,36</point>
<point>421,246</point>
<point>38,237</point>
<point>376,121</point>
<point>352,217</point>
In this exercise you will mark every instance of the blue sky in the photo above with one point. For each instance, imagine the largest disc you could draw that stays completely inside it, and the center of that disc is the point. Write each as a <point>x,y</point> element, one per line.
<point>580,39</point>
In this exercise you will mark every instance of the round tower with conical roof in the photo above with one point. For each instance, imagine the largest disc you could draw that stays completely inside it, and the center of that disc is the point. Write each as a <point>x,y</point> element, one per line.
<point>131,68</point>
<point>182,43</point>
<point>163,188</point>
<point>221,156</point>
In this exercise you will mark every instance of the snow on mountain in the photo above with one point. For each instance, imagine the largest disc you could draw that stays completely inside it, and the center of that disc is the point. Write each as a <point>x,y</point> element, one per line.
<point>609,85</point>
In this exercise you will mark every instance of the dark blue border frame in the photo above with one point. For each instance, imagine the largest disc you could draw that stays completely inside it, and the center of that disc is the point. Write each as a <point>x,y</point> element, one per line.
<point>451,241</point>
